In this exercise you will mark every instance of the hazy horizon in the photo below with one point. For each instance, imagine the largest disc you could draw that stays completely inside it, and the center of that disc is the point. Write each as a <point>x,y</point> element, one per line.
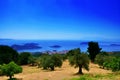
<point>60,19</point>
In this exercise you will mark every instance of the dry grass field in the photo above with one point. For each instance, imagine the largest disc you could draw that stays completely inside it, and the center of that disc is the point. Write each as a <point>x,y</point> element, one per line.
<point>66,72</point>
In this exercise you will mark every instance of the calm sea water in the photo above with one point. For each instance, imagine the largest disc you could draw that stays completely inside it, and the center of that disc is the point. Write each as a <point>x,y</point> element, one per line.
<point>65,45</point>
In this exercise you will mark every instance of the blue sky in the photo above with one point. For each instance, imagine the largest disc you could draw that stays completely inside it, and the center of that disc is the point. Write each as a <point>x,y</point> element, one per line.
<point>60,19</point>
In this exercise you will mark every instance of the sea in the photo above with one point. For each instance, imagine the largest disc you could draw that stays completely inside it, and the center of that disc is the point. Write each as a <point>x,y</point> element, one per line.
<point>65,45</point>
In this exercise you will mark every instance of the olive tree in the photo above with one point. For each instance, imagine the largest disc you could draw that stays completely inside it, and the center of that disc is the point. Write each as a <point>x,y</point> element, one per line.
<point>11,69</point>
<point>79,60</point>
<point>50,61</point>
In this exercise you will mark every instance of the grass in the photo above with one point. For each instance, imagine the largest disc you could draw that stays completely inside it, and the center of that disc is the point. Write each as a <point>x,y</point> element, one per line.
<point>111,76</point>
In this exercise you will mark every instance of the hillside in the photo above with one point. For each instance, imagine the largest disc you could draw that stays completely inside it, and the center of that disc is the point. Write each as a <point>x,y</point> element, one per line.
<point>66,72</point>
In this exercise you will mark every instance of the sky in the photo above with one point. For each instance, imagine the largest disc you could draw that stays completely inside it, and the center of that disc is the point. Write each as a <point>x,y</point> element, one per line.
<point>60,19</point>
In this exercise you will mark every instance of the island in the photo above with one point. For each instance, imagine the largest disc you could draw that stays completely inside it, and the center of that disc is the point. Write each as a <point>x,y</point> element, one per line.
<point>55,46</point>
<point>26,46</point>
<point>114,44</point>
<point>83,43</point>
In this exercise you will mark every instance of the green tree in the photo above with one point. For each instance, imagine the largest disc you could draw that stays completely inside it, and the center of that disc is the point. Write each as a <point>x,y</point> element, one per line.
<point>7,54</point>
<point>24,57</point>
<point>32,60</point>
<point>42,61</point>
<point>56,61</point>
<point>79,60</point>
<point>93,49</point>
<point>11,69</point>
<point>50,61</point>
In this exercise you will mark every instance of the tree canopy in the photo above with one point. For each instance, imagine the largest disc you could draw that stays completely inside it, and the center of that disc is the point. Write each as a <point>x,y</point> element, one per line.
<point>93,49</point>
<point>24,58</point>
<point>11,69</point>
<point>79,60</point>
<point>7,54</point>
<point>50,61</point>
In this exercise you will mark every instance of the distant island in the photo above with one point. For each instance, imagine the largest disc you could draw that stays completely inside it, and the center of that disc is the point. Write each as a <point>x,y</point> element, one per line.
<point>114,44</point>
<point>83,43</point>
<point>55,46</point>
<point>26,46</point>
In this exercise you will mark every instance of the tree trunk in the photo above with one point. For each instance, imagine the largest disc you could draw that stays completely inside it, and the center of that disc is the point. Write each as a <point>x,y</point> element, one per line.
<point>80,69</point>
<point>52,68</point>
<point>10,77</point>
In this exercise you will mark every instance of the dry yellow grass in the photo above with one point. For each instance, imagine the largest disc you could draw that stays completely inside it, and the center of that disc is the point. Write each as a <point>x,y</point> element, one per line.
<point>66,72</point>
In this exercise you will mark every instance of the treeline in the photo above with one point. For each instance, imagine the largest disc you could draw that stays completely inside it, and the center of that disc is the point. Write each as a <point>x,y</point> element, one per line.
<point>10,60</point>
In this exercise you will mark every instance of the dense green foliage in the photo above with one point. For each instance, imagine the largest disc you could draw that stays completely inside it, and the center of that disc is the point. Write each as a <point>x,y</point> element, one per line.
<point>24,57</point>
<point>108,62</point>
<point>7,54</point>
<point>32,60</point>
<point>11,69</point>
<point>112,63</point>
<point>78,59</point>
<point>50,61</point>
<point>93,49</point>
<point>101,58</point>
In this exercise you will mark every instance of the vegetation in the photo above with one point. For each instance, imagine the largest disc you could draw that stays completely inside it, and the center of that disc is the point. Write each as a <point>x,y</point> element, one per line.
<point>111,76</point>
<point>108,62</point>
<point>93,49</point>
<point>32,60</point>
<point>101,58</point>
<point>7,54</point>
<point>78,59</point>
<point>112,63</point>
<point>11,69</point>
<point>24,57</point>
<point>50,61</point>
<point>9,57</point>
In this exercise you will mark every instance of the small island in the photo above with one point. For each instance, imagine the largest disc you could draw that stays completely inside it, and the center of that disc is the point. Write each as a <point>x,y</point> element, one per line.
<point>55,46</point>
<point>114,44</point>
<point>83,43</point>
